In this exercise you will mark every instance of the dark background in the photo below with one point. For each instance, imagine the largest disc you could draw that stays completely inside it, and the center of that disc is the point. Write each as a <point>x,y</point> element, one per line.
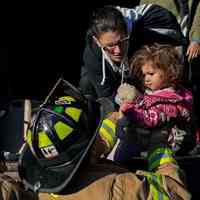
<point>48,43</point>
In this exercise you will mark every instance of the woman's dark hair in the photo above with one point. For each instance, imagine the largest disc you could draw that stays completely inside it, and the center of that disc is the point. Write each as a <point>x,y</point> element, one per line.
<point>107,19</point>
<point>164,57</point>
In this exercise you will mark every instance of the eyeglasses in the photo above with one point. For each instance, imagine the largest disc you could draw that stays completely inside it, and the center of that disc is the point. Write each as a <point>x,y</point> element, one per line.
<point>111,47</point>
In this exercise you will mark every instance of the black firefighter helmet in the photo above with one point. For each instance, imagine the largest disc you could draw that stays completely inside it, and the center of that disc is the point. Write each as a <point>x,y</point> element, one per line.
<point>58,140</point>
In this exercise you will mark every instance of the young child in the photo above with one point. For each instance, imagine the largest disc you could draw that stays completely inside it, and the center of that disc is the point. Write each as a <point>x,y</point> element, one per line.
<point>164,110</point>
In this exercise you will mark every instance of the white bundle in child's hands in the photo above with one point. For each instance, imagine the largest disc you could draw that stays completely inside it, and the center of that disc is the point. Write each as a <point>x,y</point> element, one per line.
<point>126,92</point>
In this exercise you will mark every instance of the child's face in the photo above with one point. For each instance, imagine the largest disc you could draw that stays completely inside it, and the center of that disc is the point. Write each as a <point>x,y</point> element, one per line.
<point>153,77</point>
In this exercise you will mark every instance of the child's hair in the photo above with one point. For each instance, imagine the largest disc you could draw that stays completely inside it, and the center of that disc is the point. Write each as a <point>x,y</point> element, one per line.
<point>164,57</point>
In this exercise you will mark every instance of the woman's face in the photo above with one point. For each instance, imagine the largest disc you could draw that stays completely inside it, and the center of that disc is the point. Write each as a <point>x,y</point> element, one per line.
<point>154,78</point>
<point>114,44</point>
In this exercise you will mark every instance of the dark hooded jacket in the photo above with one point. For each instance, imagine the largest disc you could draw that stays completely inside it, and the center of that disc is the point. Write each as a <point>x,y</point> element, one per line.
<point>92,75</point>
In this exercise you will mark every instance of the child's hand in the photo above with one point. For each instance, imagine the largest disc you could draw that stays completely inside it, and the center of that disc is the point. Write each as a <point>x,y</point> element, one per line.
<point>126,92</point>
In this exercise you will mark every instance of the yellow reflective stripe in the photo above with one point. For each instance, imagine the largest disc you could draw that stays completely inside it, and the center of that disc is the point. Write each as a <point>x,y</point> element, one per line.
<point>167,160</point>
<point>157,194</point>
<point>62,130</point>
<point>159,151</point>
<point>166,197</point>
<point>107,136</point>
<point>158,189</point>
<point>43,140</point>
<point>28,137</point>
<point>154,192</point>
<point>156,186</point>
<point>74,113</point>
<point>108,131</point>
<point>160,156</point>
<point>161,161</point>
<point>55,196</point>
<point>110,123</point>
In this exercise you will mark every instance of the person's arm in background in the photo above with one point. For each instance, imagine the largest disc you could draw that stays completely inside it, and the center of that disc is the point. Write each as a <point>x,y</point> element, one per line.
<point>193,49</point>
<point>150,18</point>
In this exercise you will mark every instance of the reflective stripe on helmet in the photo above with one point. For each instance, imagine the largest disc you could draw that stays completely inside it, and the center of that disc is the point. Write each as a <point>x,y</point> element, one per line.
<point>43,139</point>
<point>62,130</point>
<point>108,131</point>
<point>74,113</point>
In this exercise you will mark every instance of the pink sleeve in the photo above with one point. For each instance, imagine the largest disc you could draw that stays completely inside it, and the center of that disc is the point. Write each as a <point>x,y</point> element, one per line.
<point>144,117</point>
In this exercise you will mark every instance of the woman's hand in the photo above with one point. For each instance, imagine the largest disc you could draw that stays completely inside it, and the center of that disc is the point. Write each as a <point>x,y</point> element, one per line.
<point>193,50</point>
